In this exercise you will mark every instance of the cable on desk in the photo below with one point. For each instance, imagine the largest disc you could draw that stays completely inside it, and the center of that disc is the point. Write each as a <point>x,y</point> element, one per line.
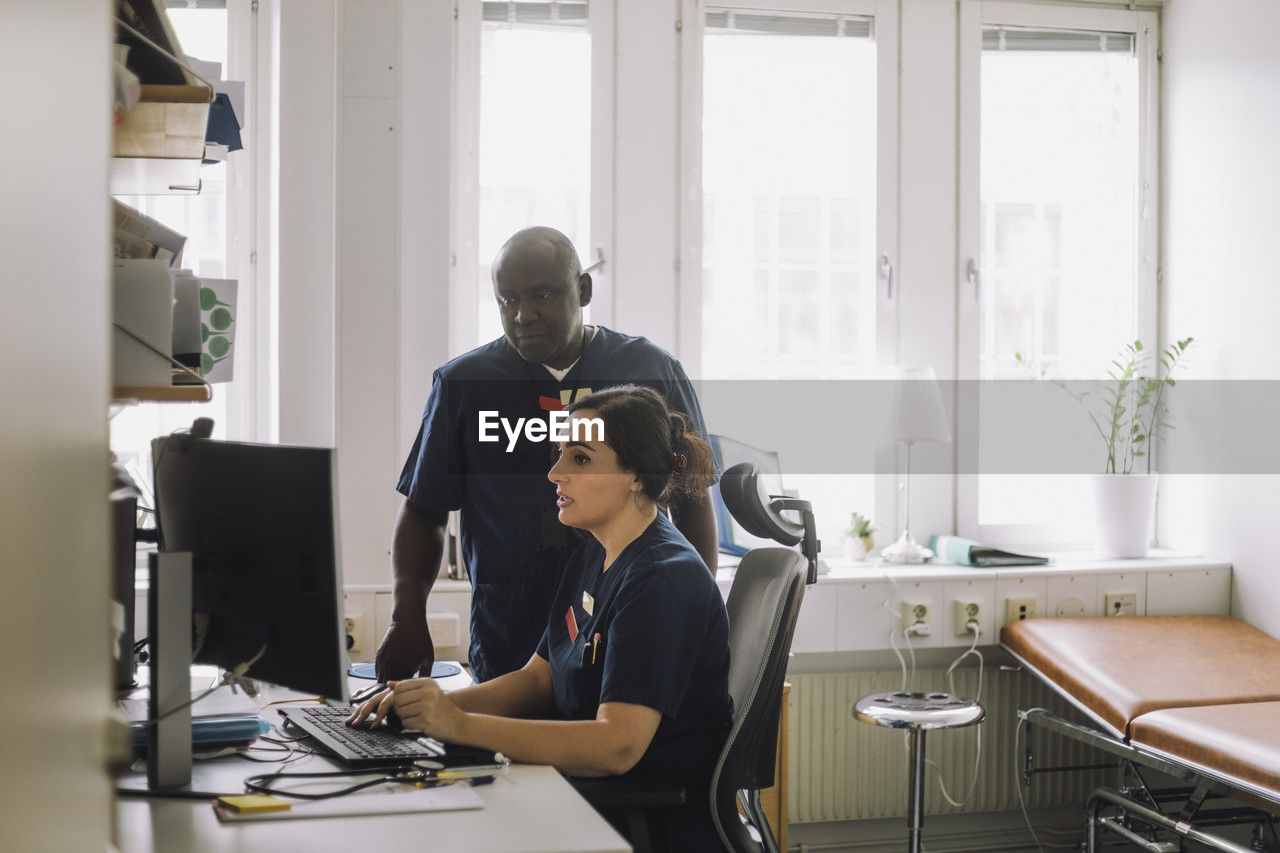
<point>404,774</point>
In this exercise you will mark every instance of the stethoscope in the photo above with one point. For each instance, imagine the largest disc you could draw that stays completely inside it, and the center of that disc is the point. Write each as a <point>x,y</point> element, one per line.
<point>402,774</point>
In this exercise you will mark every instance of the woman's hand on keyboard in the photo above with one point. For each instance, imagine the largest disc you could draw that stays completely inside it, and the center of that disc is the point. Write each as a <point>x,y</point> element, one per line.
<point>374,709</point>
<point>422,705</point>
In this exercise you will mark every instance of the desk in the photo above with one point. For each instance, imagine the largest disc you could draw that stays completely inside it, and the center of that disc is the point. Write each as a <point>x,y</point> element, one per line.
<point>530,808</point>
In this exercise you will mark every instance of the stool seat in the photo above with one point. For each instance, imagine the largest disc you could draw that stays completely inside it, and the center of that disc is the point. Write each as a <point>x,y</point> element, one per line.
<point>916,713</point>
<point>914,710</point>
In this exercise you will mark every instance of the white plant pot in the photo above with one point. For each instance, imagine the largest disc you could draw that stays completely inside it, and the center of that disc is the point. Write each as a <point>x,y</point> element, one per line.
<point>854,549</point>
<point>1124,505</point>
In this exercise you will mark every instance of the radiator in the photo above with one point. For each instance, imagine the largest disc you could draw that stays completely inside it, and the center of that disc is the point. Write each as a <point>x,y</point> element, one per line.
<point>841,769</point>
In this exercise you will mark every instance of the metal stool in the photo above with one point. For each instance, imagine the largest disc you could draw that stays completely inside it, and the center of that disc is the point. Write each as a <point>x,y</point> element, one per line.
<point>917,712</point>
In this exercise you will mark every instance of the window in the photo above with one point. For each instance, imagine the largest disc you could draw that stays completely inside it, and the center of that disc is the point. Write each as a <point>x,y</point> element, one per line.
<point>796,207</point>
<point>216,247</point>
<point>534,152</point>
<point>1060,194</point>
<point>789,196</point>
<point>1063,227</point>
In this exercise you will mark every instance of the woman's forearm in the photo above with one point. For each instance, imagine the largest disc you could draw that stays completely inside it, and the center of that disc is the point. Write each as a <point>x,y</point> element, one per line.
<point>576,747</point>
<point>523,693</point>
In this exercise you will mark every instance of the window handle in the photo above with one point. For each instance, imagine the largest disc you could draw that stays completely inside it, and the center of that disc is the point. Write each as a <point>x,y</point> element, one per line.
<point>974,278</point>
<point>886,273</point>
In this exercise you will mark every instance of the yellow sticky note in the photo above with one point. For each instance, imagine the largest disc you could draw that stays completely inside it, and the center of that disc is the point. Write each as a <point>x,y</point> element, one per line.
<point>567,396</point>
<point>254,803</point>
<point>588,603</point>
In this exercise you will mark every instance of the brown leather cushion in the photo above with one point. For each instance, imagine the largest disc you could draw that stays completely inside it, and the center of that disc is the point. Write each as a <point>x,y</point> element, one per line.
<point>1238,741</point>
<point>1122,667</point>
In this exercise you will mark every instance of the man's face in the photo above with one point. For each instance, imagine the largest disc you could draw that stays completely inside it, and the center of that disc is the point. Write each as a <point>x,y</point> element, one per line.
<point>540,303</point>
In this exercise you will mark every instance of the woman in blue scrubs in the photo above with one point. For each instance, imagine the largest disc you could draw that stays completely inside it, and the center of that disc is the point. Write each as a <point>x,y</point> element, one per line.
<point>631,675</point>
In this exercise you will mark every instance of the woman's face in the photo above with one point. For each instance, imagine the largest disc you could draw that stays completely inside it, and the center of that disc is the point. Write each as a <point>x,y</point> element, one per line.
<point>591,487</point>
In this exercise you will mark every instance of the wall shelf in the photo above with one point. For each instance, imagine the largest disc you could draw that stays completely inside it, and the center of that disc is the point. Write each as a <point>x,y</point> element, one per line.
<point>158,146</point>
<point>158,394</point>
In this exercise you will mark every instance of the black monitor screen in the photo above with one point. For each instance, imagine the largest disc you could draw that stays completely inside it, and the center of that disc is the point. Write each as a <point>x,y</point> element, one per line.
<point>733,539</point>
<point>260,523</point>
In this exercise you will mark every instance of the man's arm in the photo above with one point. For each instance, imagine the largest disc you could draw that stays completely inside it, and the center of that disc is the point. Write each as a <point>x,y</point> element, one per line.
<point>417,545</point>
<point>696,519</point>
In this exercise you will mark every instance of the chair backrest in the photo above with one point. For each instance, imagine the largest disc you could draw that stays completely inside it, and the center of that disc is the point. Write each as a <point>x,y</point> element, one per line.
<point>763,605</point>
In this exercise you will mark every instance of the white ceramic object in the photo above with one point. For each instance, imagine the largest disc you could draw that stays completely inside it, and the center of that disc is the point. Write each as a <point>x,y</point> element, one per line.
<point>1124,505</point>
<point>853,548</point>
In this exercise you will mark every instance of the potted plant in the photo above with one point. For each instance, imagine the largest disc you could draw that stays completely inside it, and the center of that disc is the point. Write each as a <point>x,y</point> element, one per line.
<point>857,537</point>
<point>1130,414</point>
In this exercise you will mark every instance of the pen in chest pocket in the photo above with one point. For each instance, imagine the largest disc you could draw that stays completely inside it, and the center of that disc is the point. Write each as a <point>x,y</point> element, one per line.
<point>592,651</point>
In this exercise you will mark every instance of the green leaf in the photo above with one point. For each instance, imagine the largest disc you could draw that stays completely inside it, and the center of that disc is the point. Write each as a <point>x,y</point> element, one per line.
<point>206,362</point>
<point>219,346</point>
<point>221,319</point>
<point>208,299</point>
<point>204,333</point>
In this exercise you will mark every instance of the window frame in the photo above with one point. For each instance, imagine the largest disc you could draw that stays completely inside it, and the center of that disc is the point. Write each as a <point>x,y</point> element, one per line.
<point>464,298</point>
<point>973,15</point>
<point>693,13</point>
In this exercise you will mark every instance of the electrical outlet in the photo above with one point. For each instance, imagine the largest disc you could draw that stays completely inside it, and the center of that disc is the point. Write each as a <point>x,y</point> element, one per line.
<point>1071,606</point>
<point>1122,604</point>
<point>353,626</point>
<point>966,611</point>
<point>916,617</point>
<point>1017,609</point>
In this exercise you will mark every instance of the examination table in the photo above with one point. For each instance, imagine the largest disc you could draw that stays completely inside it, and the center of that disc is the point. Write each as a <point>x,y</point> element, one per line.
<point>1194,697</point>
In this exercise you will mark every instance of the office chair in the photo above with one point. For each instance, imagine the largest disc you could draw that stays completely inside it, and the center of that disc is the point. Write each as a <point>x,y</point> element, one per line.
<point>763,606</point>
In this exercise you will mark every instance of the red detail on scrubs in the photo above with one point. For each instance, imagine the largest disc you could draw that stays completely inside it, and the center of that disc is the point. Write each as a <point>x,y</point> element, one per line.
<point>550,404</point>
<point>572,622</point>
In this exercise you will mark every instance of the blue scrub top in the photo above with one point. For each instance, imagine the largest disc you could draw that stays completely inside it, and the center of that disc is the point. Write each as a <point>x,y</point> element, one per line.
<point>663,643</point>
<point>513,542</point>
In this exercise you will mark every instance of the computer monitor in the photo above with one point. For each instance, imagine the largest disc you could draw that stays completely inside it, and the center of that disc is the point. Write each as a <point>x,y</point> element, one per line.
<point>733,539</point>
<point>260,522</point>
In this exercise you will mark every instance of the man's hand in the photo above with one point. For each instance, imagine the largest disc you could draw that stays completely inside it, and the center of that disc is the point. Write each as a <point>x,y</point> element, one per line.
<point>405,650</point>
<point>417,545</point>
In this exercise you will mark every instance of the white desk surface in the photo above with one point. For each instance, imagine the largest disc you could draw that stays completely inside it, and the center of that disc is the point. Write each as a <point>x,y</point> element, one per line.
<point>529,808</point>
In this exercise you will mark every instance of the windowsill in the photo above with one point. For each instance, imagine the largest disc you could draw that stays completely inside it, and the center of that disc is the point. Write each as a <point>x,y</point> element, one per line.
<point>840,570</point>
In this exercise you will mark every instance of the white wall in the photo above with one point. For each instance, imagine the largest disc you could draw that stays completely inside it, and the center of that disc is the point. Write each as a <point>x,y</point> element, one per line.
<point>1221,279</point>
<point>54,376</point>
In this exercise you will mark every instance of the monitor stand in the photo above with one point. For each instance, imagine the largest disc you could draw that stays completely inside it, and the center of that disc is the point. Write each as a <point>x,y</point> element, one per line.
<point>169,618</point>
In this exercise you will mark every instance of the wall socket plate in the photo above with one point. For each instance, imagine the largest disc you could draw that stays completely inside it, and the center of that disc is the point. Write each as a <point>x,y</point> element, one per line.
<point>1121,604</point>
<point>964,611</point>
<point>353,626</point>
<point>1017,609</point>
<point>914,612</point>
<point>1071,606</point>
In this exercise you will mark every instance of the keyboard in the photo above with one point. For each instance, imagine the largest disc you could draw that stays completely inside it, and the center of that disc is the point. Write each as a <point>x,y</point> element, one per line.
<point>360,746</point>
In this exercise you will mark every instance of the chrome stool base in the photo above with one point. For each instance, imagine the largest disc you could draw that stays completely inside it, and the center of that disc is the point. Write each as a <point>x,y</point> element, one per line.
<point>917,713</point>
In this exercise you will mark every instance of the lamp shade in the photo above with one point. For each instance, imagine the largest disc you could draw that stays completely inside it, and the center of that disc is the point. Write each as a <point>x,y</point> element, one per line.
<point>916,412</point>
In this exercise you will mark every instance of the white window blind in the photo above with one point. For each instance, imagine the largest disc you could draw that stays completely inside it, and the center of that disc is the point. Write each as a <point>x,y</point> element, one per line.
<point>1075,41</point>
<point>568,13</point>
<point>788,24</point>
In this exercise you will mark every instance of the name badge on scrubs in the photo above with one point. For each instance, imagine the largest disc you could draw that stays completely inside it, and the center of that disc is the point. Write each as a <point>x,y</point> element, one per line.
<point>567,395</point>
<point>588,603</point>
